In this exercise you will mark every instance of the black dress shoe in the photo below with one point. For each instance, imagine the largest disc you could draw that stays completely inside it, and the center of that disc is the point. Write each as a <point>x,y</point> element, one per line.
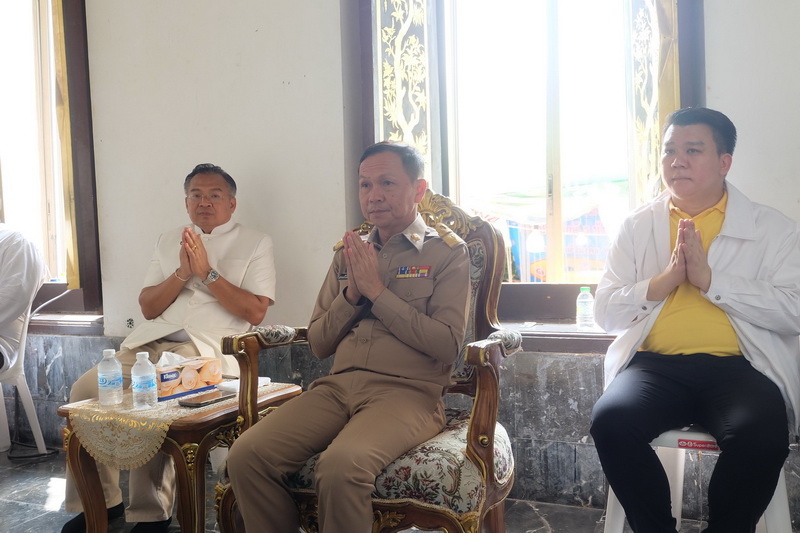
<point>162,526</point>
<point>78,523</point>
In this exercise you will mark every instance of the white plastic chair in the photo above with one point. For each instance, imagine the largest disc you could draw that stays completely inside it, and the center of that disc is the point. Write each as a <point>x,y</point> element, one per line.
<point>670,447</point>
<point>15,375</point>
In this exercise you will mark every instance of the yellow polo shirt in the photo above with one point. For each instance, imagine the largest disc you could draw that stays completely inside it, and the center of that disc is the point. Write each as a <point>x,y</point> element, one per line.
<point>689,323</point>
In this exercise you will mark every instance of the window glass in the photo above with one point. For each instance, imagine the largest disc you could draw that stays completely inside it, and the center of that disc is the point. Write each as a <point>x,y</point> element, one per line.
<point>30,162</point>
<point>544,117</point>
<point>542,145</point>
<point>46,161</point>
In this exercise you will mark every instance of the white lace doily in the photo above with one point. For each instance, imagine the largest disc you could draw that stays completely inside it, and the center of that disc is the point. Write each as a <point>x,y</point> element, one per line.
<point>124,438</point>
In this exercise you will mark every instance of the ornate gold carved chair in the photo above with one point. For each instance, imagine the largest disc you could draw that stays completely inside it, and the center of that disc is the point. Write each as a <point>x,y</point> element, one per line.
<point>457,481</point>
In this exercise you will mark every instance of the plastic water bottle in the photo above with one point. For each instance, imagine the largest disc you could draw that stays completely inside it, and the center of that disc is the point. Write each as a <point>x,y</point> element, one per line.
<point>584,310</point>
<point>109,379</point>
<point>143,382</point>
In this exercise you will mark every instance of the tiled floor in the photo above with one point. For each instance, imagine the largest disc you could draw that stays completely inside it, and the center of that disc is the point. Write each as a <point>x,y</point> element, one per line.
<point>32,500</point>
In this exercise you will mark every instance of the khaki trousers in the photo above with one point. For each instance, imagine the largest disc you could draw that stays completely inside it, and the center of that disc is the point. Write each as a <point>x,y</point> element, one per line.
<point>151,487</point>
<point>360,421</point>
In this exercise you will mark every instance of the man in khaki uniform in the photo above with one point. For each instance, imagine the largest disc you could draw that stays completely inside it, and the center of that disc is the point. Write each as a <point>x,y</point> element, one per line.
<point>393,311</point>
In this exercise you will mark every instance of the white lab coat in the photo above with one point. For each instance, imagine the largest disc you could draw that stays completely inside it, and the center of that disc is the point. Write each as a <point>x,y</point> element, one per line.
<point>755,263</point>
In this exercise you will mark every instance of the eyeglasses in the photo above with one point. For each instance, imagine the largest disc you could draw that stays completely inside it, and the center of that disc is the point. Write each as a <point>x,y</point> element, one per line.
<point>213,197</point>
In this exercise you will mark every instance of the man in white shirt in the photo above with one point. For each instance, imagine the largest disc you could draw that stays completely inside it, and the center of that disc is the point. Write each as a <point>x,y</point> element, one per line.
<point>22,272</point>
<point>205,281</point>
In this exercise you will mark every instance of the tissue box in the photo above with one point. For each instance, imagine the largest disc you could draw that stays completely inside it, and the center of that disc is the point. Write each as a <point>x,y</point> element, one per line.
<point>188,377</point>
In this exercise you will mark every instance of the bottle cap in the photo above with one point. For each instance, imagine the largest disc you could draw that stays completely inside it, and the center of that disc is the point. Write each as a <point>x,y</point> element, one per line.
<point>108,352</point>
<point>586,289</point>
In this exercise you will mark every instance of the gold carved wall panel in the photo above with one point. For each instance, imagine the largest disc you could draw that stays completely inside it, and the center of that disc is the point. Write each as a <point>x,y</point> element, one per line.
<point>655,87</point>
<point>403,87</point>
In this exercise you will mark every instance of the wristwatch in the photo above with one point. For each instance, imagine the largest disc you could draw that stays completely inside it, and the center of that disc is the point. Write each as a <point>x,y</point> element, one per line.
<point>213,276</point>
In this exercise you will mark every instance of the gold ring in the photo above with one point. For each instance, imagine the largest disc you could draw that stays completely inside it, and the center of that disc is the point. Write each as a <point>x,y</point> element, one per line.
<point>194,247</point>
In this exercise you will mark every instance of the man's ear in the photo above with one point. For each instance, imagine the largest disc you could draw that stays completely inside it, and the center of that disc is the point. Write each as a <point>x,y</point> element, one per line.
<point>422,186</point>
<point>726,160</point>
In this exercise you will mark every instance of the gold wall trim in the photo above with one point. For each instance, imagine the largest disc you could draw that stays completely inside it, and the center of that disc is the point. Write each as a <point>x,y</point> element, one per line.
<point>403,74</point>
<point>656,87</point>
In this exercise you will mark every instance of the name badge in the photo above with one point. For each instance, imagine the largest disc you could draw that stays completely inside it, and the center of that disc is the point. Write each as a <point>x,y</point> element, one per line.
<point>413,272</point>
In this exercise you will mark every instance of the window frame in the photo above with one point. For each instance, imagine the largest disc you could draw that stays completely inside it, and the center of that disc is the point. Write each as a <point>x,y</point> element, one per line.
<point>88,298</point>
<point>80,110</point>
<point>548,302</point>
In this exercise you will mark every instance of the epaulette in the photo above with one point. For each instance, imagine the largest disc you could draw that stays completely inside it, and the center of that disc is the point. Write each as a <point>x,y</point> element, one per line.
<point>363,230</point>
<point>449,236</point>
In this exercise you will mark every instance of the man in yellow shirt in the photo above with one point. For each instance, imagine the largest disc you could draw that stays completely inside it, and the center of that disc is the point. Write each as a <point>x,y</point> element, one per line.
<point>702,288</point>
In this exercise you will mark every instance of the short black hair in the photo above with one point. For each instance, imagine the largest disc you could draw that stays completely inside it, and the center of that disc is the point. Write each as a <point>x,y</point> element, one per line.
<point>208,168</point>
<point>413,163</point>
<point>722,129</point>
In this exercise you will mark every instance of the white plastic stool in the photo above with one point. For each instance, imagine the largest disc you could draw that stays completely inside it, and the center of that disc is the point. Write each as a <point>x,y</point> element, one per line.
<point>670,447</point>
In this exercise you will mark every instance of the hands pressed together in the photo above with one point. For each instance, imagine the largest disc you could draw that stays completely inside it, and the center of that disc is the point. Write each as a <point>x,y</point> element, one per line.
<point>193,256</point>
<point>689,262</point>
<point>362,269</point>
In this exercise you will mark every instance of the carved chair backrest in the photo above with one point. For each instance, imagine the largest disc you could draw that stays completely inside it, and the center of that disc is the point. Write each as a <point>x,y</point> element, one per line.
<point>487,260</point>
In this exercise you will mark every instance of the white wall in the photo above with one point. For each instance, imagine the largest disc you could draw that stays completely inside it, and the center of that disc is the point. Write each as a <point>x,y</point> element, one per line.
<point>269,90</point>
<point>257,87</point>
<point>752,76</point>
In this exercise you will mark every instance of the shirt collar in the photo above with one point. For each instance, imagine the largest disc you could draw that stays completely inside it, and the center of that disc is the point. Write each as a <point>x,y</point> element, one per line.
<point>719,206</point>
<point>414,233</point>
<point>219,230</point>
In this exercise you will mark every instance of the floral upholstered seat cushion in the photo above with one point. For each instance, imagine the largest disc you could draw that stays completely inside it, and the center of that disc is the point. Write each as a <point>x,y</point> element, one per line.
<point>436,472</point>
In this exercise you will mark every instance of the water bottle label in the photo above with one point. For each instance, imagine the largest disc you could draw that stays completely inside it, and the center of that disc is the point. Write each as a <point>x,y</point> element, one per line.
<point>144,384</point>
<point>110,381</point>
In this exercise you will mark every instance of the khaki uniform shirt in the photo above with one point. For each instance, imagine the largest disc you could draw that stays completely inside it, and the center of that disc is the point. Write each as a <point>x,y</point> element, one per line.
<point>415,328</point>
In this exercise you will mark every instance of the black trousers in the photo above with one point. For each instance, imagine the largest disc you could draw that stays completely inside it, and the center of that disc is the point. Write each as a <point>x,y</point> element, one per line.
<point>739,406</point>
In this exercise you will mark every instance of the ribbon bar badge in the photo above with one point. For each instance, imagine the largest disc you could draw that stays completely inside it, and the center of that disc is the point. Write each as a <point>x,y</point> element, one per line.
<point>413,272</point>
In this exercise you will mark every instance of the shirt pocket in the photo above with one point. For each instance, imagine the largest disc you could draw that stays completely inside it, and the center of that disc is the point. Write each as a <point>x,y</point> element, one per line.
<point>414,291</point>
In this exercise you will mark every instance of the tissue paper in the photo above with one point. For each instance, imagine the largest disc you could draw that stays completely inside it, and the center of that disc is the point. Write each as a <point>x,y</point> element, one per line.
<point>178,376</point>
<point>232,385</point>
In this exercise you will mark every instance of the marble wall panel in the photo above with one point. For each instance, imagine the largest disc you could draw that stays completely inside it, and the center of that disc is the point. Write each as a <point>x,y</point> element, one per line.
<point>567,473</point>
<point>791,470</point>
<point>52,364</point>
<point>589,478</point>
<point>550,396</point>
<point>277,362</point>
<point>546,406</point>
<point>697,469</point>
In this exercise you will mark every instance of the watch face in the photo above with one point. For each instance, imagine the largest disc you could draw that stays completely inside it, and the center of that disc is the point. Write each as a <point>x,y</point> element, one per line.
<point>212,276</point>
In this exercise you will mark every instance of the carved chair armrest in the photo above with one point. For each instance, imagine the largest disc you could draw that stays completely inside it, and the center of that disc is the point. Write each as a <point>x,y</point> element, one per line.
<point>511,339</point>
<point>245,347</point>
<point>486,356</point>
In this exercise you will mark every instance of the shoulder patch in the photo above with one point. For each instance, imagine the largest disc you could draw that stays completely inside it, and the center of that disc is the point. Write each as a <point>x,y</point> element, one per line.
<point>449,236</point>
<point>363,230</point>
